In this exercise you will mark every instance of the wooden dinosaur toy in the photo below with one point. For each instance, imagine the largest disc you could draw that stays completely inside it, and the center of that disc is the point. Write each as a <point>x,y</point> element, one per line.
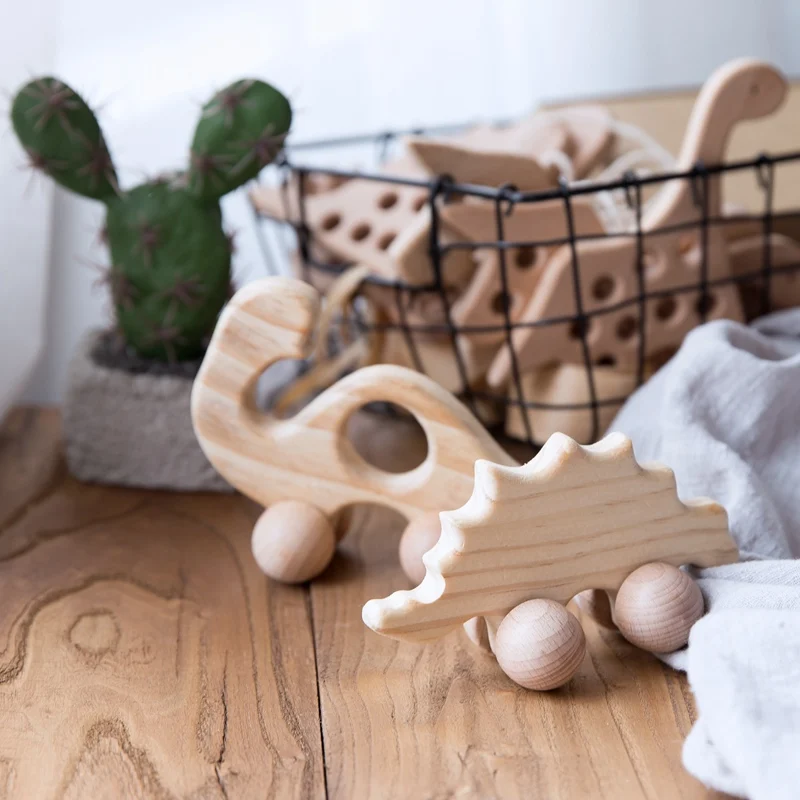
<point>741,90</point>
<point>307,461</point>
<point>543,531</point>
<point>485,300</point>
<point>532,537</point>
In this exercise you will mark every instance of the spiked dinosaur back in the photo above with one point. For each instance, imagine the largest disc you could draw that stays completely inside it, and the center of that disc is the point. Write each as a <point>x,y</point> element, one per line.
<point>170,257</point>
<point>573,518</point>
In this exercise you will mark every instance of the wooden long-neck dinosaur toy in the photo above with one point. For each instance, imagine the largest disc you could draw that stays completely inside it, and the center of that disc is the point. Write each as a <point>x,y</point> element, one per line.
<point>741,90</point>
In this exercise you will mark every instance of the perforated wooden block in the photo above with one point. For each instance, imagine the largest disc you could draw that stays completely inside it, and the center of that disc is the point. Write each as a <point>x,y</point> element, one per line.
<point>565,385</point>
<point>744,89</point>
<point>484,301</point>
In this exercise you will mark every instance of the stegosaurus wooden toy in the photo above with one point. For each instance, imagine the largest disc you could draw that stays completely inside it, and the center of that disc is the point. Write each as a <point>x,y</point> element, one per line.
<point>532,537</point>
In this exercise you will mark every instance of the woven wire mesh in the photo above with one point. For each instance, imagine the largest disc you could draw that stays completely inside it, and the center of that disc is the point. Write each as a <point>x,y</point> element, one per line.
<point>756,285</point>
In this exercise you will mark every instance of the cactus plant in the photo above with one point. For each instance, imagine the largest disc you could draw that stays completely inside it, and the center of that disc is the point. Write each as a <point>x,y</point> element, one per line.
<point>170,257</point>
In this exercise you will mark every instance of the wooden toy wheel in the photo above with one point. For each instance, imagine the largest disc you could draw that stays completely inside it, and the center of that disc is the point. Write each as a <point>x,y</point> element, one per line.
<point>656,607</point>
<point>540,645</point>
<point>293,541</point>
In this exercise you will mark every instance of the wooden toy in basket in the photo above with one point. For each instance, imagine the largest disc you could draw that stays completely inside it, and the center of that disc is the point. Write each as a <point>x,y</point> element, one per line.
<point>305,468</point>
<point>484,300</point>
<point>381,224</point>
<point>528,153</point>
<point>530,538</point>
<point>744,89</point>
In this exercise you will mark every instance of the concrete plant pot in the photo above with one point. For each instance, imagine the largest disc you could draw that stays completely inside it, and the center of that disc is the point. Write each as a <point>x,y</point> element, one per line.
<point>127,422</point>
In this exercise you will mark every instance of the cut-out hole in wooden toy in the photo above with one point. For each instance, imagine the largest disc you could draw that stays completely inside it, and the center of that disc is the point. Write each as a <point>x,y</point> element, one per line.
<point>626,328</point>
<point>419,202</point>
<point>606,361</point>
<point>705,304</point>
<point>386,240</point>
<point>666,308</point>
<point>603,287</point>
<point>360,232</point>
<point>272,384</point>
<point>387,200</point>
<point>331,221</point>
<point>525,257</point>
<point>502,303</point>
<point>379,448</point>
<point>580,328</point>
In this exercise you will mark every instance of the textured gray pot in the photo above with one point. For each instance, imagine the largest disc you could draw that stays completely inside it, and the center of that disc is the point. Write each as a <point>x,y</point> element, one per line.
<point>132,429</point>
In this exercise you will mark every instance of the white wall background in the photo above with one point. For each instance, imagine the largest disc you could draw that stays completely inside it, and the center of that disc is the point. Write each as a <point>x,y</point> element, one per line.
<point>349,66</point>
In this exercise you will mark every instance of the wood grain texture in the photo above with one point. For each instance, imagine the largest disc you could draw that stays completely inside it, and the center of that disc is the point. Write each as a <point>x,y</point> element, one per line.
<point>665,115</point>
<point>404,720</point>
<point>540,645</point>
<point>656,607</point>
<point>142,653</point>
<point>144,656</point>
<point>573,518</point>
<point>486,167</point>
<point>308,457</point>
<point>741,90</point>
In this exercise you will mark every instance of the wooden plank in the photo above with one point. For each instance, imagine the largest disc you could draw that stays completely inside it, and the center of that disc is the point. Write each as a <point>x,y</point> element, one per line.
<point>142,653</point>
<point>440,720</point>
<point>30,462</point>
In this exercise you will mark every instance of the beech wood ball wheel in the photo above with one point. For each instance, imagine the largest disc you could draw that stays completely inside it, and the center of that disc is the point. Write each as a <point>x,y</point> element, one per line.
<point>540,645</point>
<point>656,607</point>
<point>293,542</point>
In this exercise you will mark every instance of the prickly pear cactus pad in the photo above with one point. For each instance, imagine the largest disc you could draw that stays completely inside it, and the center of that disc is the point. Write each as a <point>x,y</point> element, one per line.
<point>170,267</point>
<point>61,136</point>
<point>241,130</point>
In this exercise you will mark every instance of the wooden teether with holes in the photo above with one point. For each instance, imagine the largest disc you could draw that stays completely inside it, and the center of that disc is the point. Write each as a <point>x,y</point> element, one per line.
<point>532,537</point>
<point>308,458</point>
<point>743,89</point>
<point>484,302</point>
<point>383,225</point>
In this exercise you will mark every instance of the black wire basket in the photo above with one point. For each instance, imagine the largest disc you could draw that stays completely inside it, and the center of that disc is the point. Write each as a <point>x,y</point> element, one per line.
<point>494,405</point>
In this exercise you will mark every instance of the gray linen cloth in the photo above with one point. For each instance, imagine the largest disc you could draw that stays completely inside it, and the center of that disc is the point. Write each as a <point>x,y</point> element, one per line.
<point>724,413</point>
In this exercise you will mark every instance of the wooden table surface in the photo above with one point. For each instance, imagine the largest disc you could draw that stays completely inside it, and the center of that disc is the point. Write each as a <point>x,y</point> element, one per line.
<point>144,655</point>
